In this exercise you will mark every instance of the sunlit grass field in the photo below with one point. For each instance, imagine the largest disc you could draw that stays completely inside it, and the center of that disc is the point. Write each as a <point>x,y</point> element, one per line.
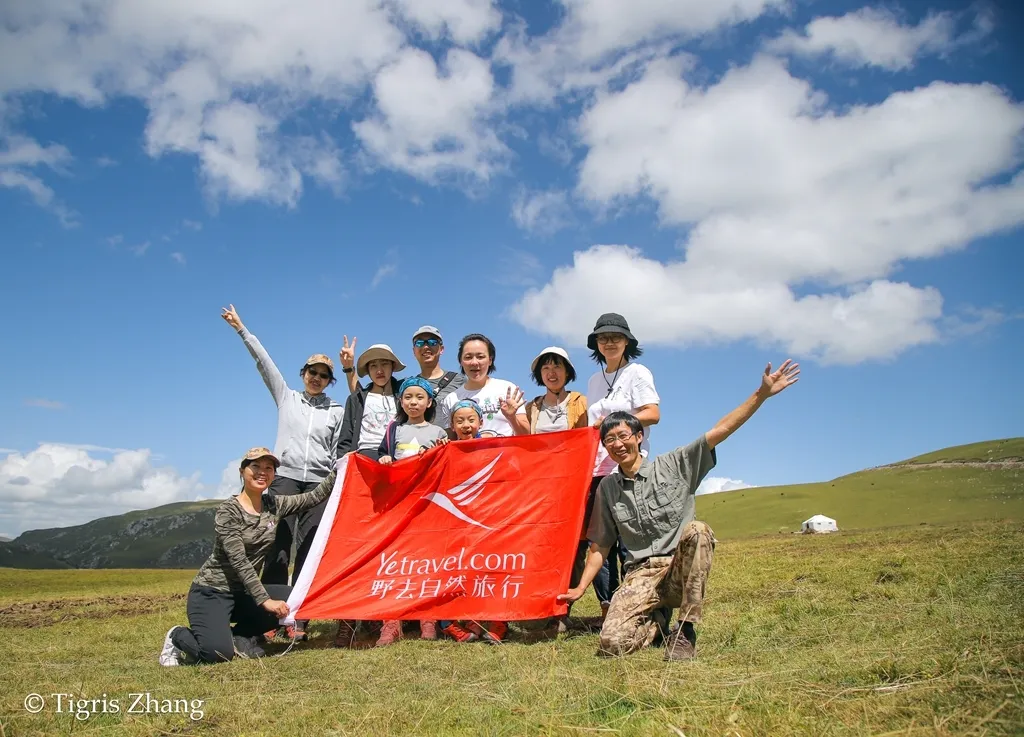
<point>908,631</point>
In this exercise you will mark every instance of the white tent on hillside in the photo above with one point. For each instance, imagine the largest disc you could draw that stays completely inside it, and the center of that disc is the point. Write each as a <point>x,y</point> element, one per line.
<point>819,523</point>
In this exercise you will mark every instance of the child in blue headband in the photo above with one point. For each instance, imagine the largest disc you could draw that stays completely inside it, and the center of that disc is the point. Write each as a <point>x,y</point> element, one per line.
<point>408,435</point>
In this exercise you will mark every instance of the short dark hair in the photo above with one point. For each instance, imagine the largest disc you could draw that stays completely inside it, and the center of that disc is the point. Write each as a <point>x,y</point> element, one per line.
<point>332,382</point>
<point>617,418</point>
<point>633,350</point>
<point>545,359</point>
<point>483,339</point>
<point>401,417</point>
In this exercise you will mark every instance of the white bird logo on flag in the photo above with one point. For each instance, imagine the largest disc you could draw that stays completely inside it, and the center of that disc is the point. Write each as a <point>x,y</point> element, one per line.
<point>465,493</point>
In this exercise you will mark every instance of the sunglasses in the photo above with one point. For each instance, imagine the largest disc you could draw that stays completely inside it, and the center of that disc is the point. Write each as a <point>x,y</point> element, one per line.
<point>431,342</point>
<point>311,373</point>
<point>610,338</point>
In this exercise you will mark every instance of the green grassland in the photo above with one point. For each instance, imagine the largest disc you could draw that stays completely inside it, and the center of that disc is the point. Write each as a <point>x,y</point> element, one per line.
<point>910,621</point>
<point>918,632</point>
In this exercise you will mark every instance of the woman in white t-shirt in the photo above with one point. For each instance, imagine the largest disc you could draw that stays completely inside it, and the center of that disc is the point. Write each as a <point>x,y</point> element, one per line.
<point>476,357</point>
<point>621,384</point>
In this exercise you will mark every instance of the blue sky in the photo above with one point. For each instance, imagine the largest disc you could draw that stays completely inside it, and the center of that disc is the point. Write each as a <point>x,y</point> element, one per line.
<point>836,182</point>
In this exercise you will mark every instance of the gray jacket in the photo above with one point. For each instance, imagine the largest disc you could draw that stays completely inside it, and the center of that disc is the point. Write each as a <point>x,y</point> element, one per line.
<point>308,427</point>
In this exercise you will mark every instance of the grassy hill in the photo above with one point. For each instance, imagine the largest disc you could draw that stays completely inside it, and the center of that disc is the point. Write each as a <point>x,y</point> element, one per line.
<point>181,535</point>
<point>885,497</point>
<point>1010,449</point>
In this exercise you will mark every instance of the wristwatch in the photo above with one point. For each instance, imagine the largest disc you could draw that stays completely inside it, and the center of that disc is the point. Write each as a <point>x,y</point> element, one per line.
<point>348,370</point>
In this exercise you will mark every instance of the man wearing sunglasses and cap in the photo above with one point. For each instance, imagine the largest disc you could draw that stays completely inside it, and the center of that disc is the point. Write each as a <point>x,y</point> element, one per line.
<point>427,347</point>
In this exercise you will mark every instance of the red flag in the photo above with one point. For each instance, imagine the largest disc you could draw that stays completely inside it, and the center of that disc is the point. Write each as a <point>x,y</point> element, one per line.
<point>479,529</point>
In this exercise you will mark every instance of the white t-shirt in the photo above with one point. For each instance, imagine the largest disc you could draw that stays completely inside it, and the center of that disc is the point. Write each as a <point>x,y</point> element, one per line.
<point>378,411</point>
<point>488,398</point>
<point>631,389</point>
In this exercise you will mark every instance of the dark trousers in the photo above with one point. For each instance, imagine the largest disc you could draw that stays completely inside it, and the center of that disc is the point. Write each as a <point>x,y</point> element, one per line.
<point>300,528</point>
<point>207,639</point>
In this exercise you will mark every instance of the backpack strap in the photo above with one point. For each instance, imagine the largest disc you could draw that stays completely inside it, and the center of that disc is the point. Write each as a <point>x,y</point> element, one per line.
<point>447,379</point>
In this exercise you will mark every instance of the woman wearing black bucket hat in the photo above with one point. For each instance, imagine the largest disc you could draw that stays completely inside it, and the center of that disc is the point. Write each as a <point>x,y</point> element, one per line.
<point>620,384</point>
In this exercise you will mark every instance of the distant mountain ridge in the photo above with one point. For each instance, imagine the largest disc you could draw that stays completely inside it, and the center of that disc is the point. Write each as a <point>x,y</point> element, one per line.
<point>976,481</point>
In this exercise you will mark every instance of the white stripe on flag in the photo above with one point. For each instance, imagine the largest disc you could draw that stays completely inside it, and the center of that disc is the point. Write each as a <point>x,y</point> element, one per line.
<point>316,550</point>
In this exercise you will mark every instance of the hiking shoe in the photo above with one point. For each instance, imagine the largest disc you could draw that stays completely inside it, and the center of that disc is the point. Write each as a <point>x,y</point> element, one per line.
<point>680,647</point>
<point>170,654</point>
<point>269,635</point>
<point>390,633</point>
<point>428,629</point>
<point>460,634</point>
<point>563,625</point>
<point>247,647</point>
<point>495,632</point>
<point>346,634</point>
<point>295,634</point>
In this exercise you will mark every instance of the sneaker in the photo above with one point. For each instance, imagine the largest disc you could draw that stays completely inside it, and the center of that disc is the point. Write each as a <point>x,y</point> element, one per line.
<point>171,655</point>
<point>458,633</point>
<point>680,647</point>
<point>346,634</point>
<point>247,647</point>
<point>295,634</point>
<point>428,629</point>
<point>390,633</point>
<point>495,632</point>
<point>269,635</point>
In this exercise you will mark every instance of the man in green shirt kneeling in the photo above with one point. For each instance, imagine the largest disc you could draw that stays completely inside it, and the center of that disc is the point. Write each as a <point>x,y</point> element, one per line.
<point>649,505</point>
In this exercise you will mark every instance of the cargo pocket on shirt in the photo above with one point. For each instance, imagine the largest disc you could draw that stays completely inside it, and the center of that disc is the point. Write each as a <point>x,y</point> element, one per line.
<point>665,503</point>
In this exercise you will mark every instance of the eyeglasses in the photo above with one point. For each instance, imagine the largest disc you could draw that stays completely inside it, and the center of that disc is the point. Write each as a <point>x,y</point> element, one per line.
<point>431,342</point>
<point>610,338</point>
<point>311,373</point>
<point>610,440</point>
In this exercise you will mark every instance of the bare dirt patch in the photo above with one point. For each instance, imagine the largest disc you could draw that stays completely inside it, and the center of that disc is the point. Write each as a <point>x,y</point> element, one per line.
<point>46,613</point>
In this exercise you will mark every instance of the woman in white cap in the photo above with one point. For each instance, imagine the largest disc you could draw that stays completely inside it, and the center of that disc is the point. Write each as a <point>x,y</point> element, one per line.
<point>227,588</point>
<point>308,430</point>
<point>619,384</point>
<point>555,410</point>
<point>370,408</point>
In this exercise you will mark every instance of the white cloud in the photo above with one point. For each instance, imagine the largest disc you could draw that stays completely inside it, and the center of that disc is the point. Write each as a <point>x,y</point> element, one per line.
<point>58,485</point>
<point>601,40</point>
<point>870,37</point>
<point>432,122</point>
<point>20,160</point>
<point>178,257</point>
<point>464,21</point>
<point>715,484</point>
<point>105,162</point>
<point>44,404</point>
<point>544,212</point>
<point>219,78</point>
<point>382,273</point>
<point>797,213</point>
<point>193,225</point>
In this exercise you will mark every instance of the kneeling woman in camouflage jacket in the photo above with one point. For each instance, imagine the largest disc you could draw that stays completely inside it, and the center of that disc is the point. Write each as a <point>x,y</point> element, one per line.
<point>227,587</point>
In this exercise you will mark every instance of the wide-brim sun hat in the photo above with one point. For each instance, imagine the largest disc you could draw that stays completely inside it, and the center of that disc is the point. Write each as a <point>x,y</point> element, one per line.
<point>378,351</point>
<point>554,349</point>
<point>610,322</point>
<point>254,454</point>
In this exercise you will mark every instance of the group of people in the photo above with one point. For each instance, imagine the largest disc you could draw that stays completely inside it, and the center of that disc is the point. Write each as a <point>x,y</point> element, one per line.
<point>639,524</point>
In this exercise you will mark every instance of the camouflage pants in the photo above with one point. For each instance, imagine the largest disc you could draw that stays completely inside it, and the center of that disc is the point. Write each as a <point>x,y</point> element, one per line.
<point>658,583</point>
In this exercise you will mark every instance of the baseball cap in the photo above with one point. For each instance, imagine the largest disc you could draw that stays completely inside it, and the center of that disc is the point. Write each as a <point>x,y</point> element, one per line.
<point>320,358</point>
<point>256,453</point>
<point>428,330</point>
